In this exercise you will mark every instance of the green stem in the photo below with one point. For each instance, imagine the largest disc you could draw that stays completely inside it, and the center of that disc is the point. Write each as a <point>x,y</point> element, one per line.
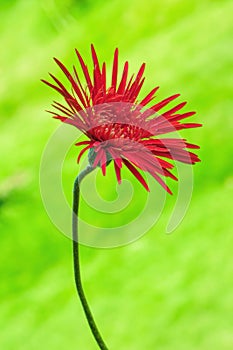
<point>76,262</point>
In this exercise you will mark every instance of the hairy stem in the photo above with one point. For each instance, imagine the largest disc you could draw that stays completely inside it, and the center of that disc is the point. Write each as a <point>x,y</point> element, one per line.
<point>76,261</point>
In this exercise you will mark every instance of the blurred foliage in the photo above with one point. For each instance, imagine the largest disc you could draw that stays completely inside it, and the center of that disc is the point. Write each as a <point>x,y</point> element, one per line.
<point>165,292</point>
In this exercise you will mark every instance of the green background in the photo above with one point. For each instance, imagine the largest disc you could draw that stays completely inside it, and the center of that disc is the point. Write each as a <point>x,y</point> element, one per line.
<point>162,292</point>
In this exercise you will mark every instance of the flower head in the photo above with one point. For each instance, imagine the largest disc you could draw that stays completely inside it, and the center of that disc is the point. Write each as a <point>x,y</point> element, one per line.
<point>118,126</point>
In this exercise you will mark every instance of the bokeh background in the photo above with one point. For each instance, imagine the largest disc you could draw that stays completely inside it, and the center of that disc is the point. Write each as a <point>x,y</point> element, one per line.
<point>163,291</point>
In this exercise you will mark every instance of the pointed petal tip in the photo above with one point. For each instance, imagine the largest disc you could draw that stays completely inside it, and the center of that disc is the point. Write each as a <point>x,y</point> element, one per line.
<point>173,97</point>
<point>145,185</point>
<point>92,48</point>
<point>169,191</point>
<point>45,81</point>
<point>103,168</point>
<point>197,160</point>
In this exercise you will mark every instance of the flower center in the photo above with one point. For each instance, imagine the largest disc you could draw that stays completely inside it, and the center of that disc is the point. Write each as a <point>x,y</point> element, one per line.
<point>117,130</point>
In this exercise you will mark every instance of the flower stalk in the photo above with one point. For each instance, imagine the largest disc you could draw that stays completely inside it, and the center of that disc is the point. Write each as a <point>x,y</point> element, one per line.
<point>76,259</point>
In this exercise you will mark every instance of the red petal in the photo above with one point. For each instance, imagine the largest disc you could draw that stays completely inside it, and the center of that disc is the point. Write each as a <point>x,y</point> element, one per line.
<point>188,125</point>
<point>54,87</point>
<point>141,71</point>
<point>104,161</point>
<point>73,83</point>
<point>174,109</point>
<point>115,70</point>
<point>85,71</point>
<point>136,83</point>
<point>83,143</point>
<point>82,152</point>
<point>80,86</point>
<point>161,182</point>
<point>117,171</point>
<point>163,103</point>
<point>136,173</point>
<point>95,58</point>
<point>136,91</point>
<point>149,97</point>
<point>104,77</point>
<point>63,110</point>
<point>121,88</point>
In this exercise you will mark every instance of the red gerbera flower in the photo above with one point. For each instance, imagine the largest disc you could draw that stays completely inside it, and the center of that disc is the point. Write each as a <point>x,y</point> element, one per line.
<point>119,127</point>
